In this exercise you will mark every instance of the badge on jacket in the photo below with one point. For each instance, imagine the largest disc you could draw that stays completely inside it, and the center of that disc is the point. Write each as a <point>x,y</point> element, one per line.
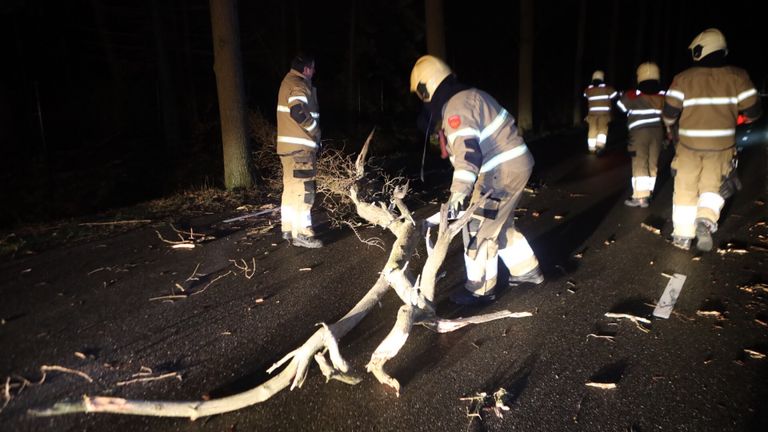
<point>454,121</point>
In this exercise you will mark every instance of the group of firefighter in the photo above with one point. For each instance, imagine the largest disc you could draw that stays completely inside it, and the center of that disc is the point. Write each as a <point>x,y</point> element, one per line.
<point>698,112</point>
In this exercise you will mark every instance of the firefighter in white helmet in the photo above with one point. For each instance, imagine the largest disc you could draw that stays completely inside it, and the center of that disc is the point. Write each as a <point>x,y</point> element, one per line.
<point>298,140</point>
<point>487,154</point>
<point>706,99</point>
<point>599,96</point>
<point>643,108</point>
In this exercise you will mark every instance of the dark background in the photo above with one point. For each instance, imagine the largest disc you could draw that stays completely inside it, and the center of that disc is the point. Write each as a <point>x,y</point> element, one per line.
<point>108,102</point>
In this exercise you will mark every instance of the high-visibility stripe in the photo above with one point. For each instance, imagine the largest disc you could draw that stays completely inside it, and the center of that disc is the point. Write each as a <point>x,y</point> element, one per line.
<point>295,140</point>
<point>599,97</point>
<point>315,115</point>
<point>644,121</point>
<point>711,101</point>
<point>312,126</point>
<point>463,132</point>
<point>712,201</point>
<point>621,105</point>
<point>283,108</point>
<point>494,125</point>
<point>299,98</point>
<point>464,176</point>
<point>602,138</point>
<point>745,94</point>
<point>601,108</point>
<point>683,219</point>
<point>503,157</point>
<point>644,111</point>
<point>613,95</point>
<point>677,94</point>
<point>707,133</point>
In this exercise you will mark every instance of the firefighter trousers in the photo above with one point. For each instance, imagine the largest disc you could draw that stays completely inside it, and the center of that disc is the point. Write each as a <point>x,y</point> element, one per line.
<point>299,171</point>
<point>644,147</point>
<point>698,177</point>
<point>598,130</point>
<point>490,234</point>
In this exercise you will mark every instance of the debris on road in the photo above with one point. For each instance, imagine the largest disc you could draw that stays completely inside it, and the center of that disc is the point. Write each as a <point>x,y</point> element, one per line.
<point>730,248</point>
<point>756,355</point>
<point>601,336</point>
<point>145,374</point>
<point>485,402</point>
<point>604,386</point>
<point>752,289</point>
<point>650,228</point>
<point>251,215</point>
<point>669,297</point>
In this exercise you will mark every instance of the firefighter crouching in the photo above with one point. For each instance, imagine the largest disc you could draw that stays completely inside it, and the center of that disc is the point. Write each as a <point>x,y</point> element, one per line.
<point>646,132</point>
<point>599,97</point>
<point>487,154</point>
<point>298,140</point>
<point>706,99</point>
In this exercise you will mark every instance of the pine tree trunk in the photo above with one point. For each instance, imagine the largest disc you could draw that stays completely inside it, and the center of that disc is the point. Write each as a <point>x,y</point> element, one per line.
<point>577,63</point>
<point>433,13</point>
<point>229,83</point>
<point>525,68</point>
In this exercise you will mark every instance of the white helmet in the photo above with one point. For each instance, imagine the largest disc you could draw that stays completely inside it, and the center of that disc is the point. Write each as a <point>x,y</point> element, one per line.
<point>598,75</point>
<point>647,71</point>
<point>426,76</point>
<point>707,42</point>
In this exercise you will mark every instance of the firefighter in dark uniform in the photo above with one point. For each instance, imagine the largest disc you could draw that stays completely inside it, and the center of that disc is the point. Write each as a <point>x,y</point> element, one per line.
<point>646,131</point>
<point>599,97</point>
<point>706,100</point>
<point>487,154</point>
<point>298,140</point>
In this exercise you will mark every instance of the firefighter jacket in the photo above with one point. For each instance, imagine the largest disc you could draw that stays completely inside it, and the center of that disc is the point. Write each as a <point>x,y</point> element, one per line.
<point>599,99</point>
<point>298,116</point>
<point>708,101</point>
<point>481,136</point>
<point>643,110</point>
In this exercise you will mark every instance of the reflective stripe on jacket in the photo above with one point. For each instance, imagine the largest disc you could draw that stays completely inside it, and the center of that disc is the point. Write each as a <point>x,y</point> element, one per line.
<point>599,99</point>
<point>296,93</point>
<point>481,136</point>
<point>643,110</point>
<point>708,101</point>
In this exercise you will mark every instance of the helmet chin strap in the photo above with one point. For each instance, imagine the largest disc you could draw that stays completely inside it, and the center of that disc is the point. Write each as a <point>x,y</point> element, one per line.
<point>426,140</point>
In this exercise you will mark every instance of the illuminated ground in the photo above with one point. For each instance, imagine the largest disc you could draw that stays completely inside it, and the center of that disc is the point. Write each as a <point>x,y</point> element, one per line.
<point>689,372</point>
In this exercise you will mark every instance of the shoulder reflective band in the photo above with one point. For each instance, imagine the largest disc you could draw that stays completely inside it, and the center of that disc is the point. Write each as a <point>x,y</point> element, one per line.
<point>299,141</point>
<point>494,125</point>
<point>746,94</point>
<point>464,176</point>
<point>503,157</point>
<point>621,105</point>
<point>283,108</point>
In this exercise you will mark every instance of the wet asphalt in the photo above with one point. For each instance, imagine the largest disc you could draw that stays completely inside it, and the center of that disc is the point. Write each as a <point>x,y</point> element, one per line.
<point>691,372</point>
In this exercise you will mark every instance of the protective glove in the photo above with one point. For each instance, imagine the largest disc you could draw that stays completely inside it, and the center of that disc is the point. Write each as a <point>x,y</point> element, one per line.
<point>456,202</point>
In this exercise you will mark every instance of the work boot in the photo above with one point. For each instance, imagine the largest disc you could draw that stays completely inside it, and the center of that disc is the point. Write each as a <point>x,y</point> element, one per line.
<point>704,230</point>
<point>461,296</point>
<point>636,202</point>
<point>307,242</point>
<point>534,276</point>
<point>683,243</point>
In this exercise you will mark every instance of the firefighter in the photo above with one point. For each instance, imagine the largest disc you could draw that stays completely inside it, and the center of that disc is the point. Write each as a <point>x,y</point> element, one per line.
<point>298,141</point>
<point>487,154</point>
<point>646,132</point>
<point>599,97</point>
<point>706,100</point>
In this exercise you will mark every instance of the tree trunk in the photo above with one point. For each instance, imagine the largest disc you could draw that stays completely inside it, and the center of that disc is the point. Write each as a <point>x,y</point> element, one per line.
<point>525,68</point>
<point>229,83</point>
<point>433,16</point>
<point>578,61</point>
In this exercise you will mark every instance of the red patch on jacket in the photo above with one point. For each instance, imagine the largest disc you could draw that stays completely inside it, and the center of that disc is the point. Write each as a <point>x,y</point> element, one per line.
<point>454,121</point>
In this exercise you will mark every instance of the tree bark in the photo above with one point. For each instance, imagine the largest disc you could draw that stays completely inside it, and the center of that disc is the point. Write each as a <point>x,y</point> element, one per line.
<point>434,20</point>
<point>578,61</point>
<point>525,68</point>
<point>229,83</point>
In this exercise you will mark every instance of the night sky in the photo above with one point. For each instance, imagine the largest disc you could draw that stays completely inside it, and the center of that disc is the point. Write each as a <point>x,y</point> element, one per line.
<point>117,98</point>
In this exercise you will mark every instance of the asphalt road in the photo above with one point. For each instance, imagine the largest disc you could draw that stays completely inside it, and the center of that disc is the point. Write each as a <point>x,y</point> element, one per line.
<point>686,373</point>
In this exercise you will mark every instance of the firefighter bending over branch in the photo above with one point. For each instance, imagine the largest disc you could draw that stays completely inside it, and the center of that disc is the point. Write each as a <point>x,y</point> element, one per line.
<point>487,154</point>
<point>599,96</point>
<point>646,132</point>
<point>298,141</point>
<point>706,100</point>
